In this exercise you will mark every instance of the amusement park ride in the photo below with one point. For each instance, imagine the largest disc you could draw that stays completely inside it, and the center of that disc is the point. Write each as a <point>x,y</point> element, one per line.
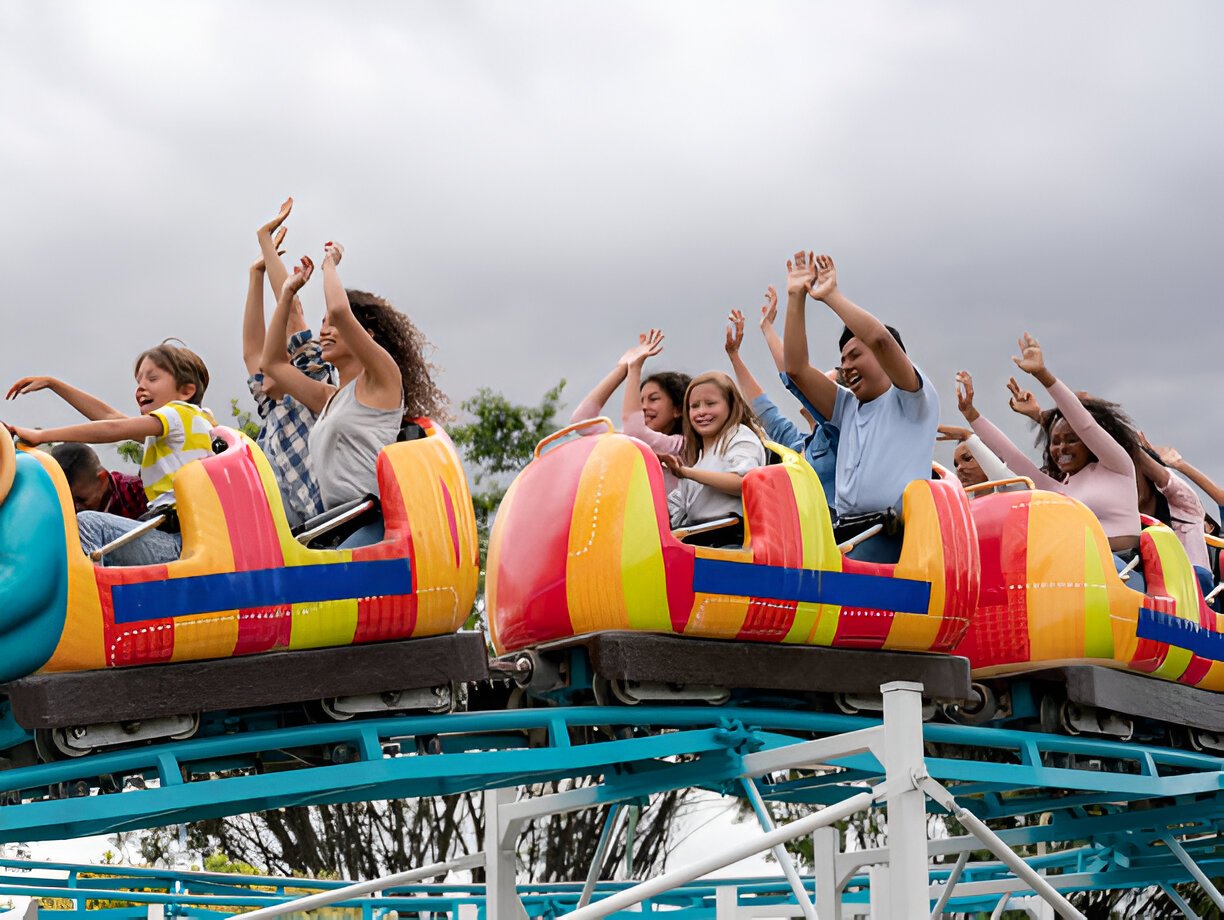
<point>999,670</point>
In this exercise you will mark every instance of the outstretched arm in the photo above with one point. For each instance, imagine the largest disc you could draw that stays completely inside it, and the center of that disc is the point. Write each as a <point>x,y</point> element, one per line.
<point>769,313</point>
<point>253,319</point>
<point>996,440</point>
<point>88,405</point>
<point>1112,455</point>
<point>271,238</point>
<point>730,483</point>
<point>743,377</point>
<point>381,385</point>
<point>311,393</point>
<point>106,431</point>
<point>865,327</point>
<point>1175,460</point>
<point>819,389</point>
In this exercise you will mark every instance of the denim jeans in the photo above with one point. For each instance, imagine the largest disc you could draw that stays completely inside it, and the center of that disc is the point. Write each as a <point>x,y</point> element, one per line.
<point>97,528</point>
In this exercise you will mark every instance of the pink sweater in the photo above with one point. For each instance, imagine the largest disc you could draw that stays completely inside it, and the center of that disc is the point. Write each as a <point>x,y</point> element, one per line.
<point>1187,513</point>
<point>635,426</point>
<point>1107,487</point>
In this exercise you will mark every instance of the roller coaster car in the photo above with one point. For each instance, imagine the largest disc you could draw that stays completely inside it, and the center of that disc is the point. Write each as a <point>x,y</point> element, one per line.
<point>247,616</point>
<point>582,554</point>
<point>1053,606</point>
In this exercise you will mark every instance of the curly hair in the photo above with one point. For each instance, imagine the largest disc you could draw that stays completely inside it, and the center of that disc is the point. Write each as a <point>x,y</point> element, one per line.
<point>674,384</point>
<point>1108,415</point>
<point>407,345</point>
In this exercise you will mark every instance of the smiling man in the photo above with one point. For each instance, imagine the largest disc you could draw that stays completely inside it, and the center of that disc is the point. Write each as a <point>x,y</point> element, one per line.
<point>888,410</point>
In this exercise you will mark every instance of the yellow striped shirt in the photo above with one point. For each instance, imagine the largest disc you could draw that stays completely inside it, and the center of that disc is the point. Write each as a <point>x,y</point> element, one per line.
<point>185,437</point>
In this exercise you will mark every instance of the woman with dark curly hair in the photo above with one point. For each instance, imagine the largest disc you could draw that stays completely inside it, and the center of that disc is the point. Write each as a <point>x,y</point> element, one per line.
<point>1088,447</point>
<point>384,380</point>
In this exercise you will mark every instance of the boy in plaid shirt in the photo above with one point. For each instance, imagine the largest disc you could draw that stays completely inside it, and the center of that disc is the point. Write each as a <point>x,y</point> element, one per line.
<point>287,423</point>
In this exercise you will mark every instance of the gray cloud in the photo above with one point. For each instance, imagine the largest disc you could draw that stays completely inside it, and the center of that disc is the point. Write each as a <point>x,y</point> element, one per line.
<point>536,182</point>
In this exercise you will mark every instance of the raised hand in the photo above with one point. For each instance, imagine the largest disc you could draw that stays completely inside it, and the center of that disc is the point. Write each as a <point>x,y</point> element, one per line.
<point>953,433</point>
<point>826,278</point>
<point>1023,401</point>
<point>964,396</point>
<point>649,344</point>
<point>31,436</point>
<point>1169,456</point>
<point>301,274</point>
<point>29,385</point>
<point>769,310</point>
<point>735,332</point>
<point>1031,360</point>
<point>267,229</point>
<point>800,273</point>
<point>333,252</point>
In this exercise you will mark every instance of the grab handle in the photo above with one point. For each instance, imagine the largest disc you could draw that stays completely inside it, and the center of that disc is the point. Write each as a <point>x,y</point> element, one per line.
<point>996,483</point>
<point>570,429</point>
<point>1217,542</point>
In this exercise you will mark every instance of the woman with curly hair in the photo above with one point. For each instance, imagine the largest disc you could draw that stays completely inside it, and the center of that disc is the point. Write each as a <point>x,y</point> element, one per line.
<point>385,379</point>
<point>1088,445</point>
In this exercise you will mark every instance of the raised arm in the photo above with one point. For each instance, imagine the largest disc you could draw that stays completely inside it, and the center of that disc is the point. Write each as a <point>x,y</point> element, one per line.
<point>994,468</point>
<point>743,377</point>
<point>593,403</point>
<point>1112,455</point>
<point>381,385</point>
<point>106,431</point>
<point>769,313</point>
<point>1175,460</point>
<point>1023,402</point>
<point>253,318</point>
<point>311,393</point>
<point>865,327</point>
<point>88,405</point>
<point>819,389</point>
<point>996,440</point>
<point>271,238</point>
<point>633,418</point>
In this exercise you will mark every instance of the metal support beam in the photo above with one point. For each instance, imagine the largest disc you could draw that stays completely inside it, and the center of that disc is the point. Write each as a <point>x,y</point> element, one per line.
<point>335,895</point>
<point>1178,901</point>
<point>1192,867</point>
<point>826,843</point>
<point>991,841</point>
<point>784,859</point>
<point>717,860</point>
<point>501,894</point>
<point>904,765</point>
<point>601,850</point>
<point>953,878</point>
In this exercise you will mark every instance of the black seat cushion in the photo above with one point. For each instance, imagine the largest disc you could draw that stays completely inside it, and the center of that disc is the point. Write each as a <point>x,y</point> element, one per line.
<point>341,532</point>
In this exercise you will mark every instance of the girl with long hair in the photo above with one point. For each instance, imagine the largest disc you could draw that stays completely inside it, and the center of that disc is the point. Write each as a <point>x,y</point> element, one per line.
<point>722,442</point>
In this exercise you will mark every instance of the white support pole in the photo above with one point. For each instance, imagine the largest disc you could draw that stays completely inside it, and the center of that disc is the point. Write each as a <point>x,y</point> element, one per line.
<point>1192,867</point>
<point>784,858</point>
<point>726,902</point>
<point>1022,870</point>
<point>826,843</point>
<point>335,895</point>
<point>877,892</point>
<point>601,849</point>
<point>717,860</point>
<point>501,891</point>
<point>904,766</point>
<point>1178,901</point>
<point>953,878</point>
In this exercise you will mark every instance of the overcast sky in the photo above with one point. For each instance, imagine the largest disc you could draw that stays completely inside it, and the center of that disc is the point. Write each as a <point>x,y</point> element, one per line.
<point>534,183</point>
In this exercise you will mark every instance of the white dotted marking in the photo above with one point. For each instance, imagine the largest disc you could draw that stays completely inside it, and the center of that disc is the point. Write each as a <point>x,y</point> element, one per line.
<point>594,513</point>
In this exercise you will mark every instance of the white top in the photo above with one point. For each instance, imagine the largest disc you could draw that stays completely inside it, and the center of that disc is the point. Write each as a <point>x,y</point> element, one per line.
<point>691,502</point>
<point>344,445</point>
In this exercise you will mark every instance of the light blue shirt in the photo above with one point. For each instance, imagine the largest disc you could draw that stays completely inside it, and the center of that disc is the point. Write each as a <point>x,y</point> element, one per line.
<point>819,448</point>
<point>884,445</point>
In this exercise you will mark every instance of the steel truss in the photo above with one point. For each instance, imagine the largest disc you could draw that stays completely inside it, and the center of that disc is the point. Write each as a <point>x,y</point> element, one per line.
<point>1122,815</point>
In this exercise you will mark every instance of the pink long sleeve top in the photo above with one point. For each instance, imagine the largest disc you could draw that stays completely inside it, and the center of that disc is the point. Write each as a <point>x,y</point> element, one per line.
<point>1107,486</point>
<point>1187,513</point>
<point>635,426</point>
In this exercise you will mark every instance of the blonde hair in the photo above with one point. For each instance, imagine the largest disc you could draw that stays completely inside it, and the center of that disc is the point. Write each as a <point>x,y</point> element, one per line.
<point>738,414</point>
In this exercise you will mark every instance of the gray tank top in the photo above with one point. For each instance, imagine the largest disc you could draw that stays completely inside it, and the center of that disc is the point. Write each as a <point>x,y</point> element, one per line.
<point>344,445</point>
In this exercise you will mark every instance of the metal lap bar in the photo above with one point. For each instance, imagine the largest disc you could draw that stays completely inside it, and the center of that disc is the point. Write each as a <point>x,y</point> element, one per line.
<point>327,526</point>
<point>859,538</point>
<point>1124,574</point>
<point>682,533</point>
<point>135,534</point>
